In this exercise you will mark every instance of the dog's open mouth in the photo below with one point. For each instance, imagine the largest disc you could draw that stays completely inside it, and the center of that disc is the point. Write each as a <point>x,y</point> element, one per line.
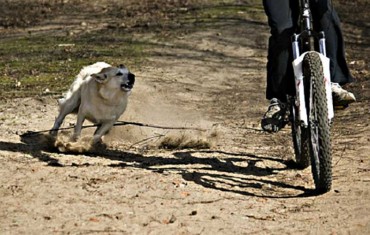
<point>126,86</point>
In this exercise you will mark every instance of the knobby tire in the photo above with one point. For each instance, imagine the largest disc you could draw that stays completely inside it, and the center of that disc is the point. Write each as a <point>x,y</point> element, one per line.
<point>318,127</point>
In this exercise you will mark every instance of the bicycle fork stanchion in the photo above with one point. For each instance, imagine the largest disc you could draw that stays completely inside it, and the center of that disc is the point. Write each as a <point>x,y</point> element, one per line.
<point>322,41</point>
<point>295,46</point>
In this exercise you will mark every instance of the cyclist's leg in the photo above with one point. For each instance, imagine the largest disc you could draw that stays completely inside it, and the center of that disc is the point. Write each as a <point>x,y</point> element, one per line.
<point>282,17</point>
<point>329,22</point>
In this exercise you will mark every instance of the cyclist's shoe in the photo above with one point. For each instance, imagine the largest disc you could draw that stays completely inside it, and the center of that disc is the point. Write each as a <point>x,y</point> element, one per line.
<point>273,120</point>
<point>341,97</point>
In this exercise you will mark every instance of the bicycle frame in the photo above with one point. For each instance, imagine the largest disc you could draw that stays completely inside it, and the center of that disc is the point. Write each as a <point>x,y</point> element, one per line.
<point>302,43</point>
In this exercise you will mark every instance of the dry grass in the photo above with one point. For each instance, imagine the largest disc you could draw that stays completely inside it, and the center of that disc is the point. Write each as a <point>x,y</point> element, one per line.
<point>184,142</point>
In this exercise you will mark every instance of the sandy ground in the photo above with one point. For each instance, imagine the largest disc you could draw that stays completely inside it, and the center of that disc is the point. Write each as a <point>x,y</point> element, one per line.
<point>210,83</point>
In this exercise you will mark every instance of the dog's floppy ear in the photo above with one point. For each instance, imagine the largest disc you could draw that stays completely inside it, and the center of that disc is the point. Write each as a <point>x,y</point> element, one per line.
<point>99,77</point>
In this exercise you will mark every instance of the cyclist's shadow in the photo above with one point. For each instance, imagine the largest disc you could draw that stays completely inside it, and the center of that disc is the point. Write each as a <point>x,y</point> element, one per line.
<point>206,170</point>
<point>249,180</point>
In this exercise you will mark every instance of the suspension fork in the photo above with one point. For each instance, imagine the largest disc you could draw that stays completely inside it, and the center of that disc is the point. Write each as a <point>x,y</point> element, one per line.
<point>296,44</point>
<point>307,34</point>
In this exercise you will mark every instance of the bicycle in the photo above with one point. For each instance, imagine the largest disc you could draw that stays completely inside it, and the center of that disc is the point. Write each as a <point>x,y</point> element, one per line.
<point>311,109</point>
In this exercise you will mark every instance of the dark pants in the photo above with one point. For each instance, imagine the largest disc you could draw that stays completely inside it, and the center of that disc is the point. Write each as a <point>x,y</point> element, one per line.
<point>282,19</point>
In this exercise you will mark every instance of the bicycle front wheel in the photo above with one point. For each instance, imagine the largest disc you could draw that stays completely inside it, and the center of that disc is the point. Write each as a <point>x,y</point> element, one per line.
<point>318,126</point>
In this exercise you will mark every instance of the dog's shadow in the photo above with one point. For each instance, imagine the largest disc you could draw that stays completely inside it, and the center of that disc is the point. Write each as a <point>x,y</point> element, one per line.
<point>206,170</point>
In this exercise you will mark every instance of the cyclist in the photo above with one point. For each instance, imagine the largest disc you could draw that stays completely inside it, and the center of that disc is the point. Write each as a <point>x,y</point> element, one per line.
<point>283,18</point>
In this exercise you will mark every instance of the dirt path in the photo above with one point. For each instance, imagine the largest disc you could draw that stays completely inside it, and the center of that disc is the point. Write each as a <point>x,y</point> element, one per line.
<point>213,79</point>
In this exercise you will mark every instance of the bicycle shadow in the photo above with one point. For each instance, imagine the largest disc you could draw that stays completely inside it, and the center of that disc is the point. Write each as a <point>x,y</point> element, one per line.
<point>205,169</point>
<point>250,180</point>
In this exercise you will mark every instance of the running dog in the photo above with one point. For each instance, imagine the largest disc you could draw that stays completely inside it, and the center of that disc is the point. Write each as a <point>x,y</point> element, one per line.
<point>99,94</point>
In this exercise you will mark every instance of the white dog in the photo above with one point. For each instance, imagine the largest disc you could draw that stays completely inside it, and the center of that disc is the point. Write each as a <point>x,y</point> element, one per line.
<point>99,94</point>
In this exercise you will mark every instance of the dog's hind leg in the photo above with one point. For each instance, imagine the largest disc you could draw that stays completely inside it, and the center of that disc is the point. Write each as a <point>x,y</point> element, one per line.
<point>66,107</point>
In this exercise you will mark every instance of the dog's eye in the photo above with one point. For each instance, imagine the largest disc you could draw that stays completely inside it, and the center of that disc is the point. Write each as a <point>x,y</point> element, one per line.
<point>119,74</point>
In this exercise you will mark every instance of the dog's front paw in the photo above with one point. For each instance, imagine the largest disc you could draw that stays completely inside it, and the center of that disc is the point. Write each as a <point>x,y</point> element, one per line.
<point>53,133</point>
<point>96,140</point>
<point>74,138</point>
<point>99,146</point>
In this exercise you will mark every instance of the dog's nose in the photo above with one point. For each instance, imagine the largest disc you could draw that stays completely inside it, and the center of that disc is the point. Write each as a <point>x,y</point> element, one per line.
<point>131,78</point>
